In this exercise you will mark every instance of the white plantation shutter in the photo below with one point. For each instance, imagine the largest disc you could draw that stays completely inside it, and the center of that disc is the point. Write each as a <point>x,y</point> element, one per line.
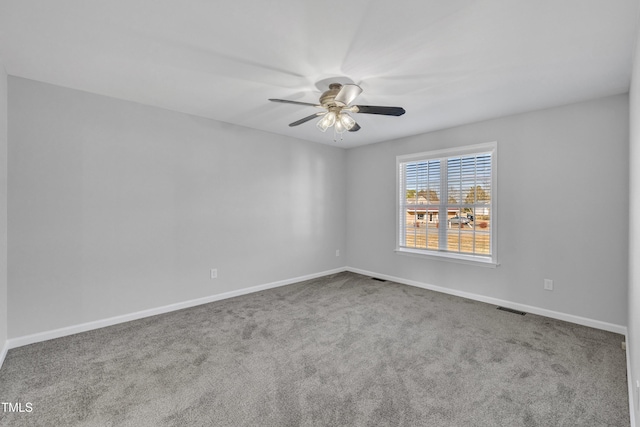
<point>446,203</point>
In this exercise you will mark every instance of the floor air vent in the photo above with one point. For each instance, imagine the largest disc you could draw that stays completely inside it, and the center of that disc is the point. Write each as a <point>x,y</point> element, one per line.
<point>379,280</point>
<point>510,310</point>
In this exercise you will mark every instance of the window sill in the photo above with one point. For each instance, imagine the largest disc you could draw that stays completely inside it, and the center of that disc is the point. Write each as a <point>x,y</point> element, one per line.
<point>450,257</point>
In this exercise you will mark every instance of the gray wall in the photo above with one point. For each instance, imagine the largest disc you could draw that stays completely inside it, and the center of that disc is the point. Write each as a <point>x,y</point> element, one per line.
<point>3,208</point>
<point>116,207</point>
<point>562,204</point>
<point>633,332</point>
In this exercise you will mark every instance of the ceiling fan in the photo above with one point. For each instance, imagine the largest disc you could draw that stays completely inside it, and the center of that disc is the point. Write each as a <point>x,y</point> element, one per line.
<point>336,103</point>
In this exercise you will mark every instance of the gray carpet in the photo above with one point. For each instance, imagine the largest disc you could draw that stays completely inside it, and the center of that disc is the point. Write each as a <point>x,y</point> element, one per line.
<point>342,350</point>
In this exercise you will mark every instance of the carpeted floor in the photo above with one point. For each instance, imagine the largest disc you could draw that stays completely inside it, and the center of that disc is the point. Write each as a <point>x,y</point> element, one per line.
<point>342,350</point>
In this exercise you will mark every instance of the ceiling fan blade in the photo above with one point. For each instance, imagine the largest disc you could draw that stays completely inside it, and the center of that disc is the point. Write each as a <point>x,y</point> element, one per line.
<point>305,120</point>
<point>355,128</point>
<point>286,101</point>
<point>374,109</point>
<point>347,94</point>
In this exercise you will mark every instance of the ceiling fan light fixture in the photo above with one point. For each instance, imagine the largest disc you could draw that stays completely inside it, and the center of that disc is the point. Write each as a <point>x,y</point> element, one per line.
<point>347,121</point>
<point>339,127</point>
<point>327,121</point>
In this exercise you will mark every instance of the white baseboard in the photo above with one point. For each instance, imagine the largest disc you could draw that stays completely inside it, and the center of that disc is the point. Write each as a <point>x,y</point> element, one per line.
<point>597,324</point>
<point>3,353</point>
<point>74,329</point>
<point>83,327</point>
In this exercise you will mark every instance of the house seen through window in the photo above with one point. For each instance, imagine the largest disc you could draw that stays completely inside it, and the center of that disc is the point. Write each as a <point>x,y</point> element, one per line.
<point>446,203</point>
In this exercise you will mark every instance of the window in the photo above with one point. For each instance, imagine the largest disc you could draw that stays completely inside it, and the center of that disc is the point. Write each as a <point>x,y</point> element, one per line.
<point>446,203</point>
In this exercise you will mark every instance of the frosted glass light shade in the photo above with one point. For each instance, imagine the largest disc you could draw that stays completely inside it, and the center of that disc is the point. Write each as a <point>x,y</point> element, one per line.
<point>347,121</point>
<point>327,121</point>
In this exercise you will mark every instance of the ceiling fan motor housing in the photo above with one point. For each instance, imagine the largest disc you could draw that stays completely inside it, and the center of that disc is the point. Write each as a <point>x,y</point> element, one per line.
<point>327,99</point>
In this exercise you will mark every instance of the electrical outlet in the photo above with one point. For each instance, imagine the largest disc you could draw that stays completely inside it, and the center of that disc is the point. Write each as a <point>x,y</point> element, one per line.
<point>214,273</point>
<point>548,284</point>
<point>337,252</point>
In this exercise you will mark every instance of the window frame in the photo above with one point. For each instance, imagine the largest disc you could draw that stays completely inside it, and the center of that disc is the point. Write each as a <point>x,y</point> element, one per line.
<point>490,260</point>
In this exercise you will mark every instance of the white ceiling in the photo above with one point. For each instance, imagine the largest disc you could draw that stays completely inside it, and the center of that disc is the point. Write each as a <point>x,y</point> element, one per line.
<point>446,62</point>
